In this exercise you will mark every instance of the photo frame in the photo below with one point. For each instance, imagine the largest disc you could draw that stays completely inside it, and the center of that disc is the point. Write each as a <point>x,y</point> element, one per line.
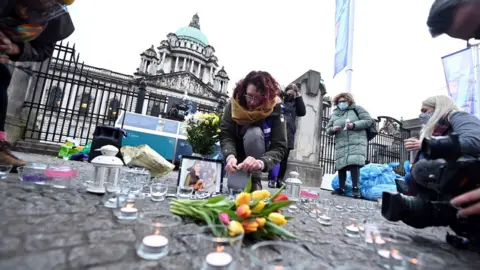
<point>202,174</point>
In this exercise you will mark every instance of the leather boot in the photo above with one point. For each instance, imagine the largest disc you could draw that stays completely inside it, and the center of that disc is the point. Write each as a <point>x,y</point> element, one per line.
<point>256,181</point>
<point>6,156</point>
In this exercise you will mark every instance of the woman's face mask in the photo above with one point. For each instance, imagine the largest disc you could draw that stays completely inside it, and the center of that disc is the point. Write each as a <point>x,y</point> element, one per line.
<point>342,105</point>
<point>424,117</point>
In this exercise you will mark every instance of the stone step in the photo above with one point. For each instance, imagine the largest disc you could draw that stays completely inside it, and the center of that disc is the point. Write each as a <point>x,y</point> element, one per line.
<point>37,147</point>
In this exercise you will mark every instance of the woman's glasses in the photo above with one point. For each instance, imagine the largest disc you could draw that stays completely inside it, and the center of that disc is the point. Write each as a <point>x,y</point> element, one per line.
<point>254,98</point>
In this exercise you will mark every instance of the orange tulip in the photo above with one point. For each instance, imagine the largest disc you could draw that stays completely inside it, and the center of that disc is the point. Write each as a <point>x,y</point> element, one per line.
<point>243,211</point>
<point>261,222</point>
<point>249,226</point>
<point>243,198</point>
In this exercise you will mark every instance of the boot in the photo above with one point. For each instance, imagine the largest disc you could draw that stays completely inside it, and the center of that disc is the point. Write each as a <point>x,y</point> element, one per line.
<point>272,184</point>
<point>280,183</point>
<point>356,193</point>
<point>339,192</point>
<point>6,156</point>
<point>256,181</point>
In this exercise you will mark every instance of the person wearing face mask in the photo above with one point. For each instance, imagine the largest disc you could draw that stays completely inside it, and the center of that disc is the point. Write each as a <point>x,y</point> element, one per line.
<point>293,107</point>
<point>29,30</point>
<point>349,123</point>
<point>253,133</point>
<point>440,116</point>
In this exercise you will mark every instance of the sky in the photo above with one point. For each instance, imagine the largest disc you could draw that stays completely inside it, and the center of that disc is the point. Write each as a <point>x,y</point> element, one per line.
<point>396,63</point>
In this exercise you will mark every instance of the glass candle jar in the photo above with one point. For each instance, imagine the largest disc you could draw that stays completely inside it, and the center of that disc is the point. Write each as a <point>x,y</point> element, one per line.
<point>217,248</point>
<point>279,255</point>
<point>154,233</point>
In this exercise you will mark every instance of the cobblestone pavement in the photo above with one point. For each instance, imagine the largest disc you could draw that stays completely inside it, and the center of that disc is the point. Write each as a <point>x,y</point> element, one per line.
<point>72,230</point>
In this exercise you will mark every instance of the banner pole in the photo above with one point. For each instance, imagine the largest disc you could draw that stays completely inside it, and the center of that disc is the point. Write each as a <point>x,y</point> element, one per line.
<point>476,70</point>
<point>349,68</point>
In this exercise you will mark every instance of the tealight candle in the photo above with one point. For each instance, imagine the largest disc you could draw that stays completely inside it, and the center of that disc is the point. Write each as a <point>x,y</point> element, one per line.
<point>352,228</point>
<point>218,259</point>
<point>155,243</point>
<point>387,254</point>
<point>293,209</point>
<point>324,220</point>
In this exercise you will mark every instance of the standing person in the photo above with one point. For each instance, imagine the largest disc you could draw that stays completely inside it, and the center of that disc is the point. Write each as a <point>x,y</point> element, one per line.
<point>458,19</point>
<point>51,23</point>
<point>349,123</point>
<point>253,132</point>
<point>293,107</point>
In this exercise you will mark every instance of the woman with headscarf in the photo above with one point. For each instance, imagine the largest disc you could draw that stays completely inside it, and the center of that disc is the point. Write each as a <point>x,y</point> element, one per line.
<point>253,132</point>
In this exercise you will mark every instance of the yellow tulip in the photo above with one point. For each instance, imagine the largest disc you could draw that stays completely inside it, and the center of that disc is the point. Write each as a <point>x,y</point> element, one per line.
<point>277,218</point>
<point>250,226</point>
<point>235,228</point>
<point>243,211</point>
<point>260,195</point>
<point>259,207</point>
<point>261,222</point>
<point>243,198</point>
<point>68,2</point>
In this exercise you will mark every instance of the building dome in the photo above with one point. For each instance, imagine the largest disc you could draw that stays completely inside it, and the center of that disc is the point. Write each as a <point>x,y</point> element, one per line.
<point>193,34</point>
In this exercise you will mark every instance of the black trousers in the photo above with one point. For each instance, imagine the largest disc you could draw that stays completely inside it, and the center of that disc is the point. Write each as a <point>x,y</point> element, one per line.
<point>354,172</point>
<point>283,166</point>
<point>5,77</point>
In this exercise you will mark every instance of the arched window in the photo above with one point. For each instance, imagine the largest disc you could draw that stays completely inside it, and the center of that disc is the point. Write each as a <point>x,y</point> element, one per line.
<point>85,104</point>
<point>113,107</point>
<point>54,100</point>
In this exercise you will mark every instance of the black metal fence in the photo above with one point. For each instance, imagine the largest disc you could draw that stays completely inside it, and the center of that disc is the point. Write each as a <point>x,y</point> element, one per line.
<point>67,98</point>
<point>386,147</point>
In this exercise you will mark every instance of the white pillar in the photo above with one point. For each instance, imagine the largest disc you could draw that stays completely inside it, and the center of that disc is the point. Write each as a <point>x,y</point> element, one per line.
<point>191,65</point>
<point>176,64</point>
<point>226,86</point>
<point>142,64</point>
<point>184,63</point>
<point>211,75</point>
<point>198,71</point>
<point>163,60</point>
<point>145,105</point>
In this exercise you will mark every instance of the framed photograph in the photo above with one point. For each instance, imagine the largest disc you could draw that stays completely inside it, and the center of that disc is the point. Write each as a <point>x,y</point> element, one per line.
<point>201,173</point>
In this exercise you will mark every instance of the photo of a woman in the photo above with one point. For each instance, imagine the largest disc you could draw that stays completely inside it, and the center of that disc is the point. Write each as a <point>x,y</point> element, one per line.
<point>194,177</point>
<point>201,175</point>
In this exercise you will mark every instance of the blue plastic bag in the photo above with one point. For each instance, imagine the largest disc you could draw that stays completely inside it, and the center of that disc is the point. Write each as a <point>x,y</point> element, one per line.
<point>371,175</point>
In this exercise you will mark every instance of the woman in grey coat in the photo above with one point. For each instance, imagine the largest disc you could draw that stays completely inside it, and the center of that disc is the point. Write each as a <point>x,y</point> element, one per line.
<point>348,124</point>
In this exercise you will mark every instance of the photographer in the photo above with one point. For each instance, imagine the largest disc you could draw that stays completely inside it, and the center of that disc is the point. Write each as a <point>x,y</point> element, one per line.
<point>440,117</point>
<point>458,19</point>
<point>44,22</point>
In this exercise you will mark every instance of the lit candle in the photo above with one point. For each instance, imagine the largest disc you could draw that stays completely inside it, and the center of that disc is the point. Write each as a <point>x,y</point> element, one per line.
<point>352,228</point>
<point>292,208</point>
<point>155,241</point>
<point>219,258</point>
<point>387,254</point>
<point>325,218</point>
<point>129,210</point>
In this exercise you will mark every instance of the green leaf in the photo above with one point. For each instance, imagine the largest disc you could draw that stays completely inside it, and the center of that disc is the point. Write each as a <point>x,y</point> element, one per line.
<point>288,218</point>
<point>274,206</point>
<point>274,228</point>
<point>216,199</point>
<point>277,193</point>
<point>248,188</point>
<point>208,220</point>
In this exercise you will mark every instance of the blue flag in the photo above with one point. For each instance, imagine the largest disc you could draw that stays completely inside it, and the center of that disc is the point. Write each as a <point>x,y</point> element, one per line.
<point>459,74</point>
<point>342,17</point>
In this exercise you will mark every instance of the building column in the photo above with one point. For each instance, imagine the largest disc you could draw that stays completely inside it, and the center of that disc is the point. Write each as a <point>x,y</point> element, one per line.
<point>191,65</point>
<point>198,71</point>
<point>184,64</point>
<point>176,64</point>
<point>163,60</point>
<point>211,75</point>
<point>145,105</point>
<point>142,64</point>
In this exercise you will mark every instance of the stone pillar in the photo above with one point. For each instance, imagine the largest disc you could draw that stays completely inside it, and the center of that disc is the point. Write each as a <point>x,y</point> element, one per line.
<point>163,60</point>
<point>176,64</point>
<point>192,63</point>
<point>142,61</point>
<point>184,64</point>
<point>226,86</point>
<point>211,75</point>
<point>305,156</point>
<point>198,71</point>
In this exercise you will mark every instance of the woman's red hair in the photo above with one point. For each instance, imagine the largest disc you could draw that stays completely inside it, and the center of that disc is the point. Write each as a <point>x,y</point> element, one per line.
<point>263,81</point>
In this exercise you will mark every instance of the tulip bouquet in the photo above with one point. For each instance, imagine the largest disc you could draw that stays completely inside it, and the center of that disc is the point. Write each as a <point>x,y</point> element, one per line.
<point>257,214</point>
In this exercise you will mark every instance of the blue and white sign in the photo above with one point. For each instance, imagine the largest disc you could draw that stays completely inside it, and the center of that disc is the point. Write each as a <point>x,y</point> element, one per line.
<point>342,32</point>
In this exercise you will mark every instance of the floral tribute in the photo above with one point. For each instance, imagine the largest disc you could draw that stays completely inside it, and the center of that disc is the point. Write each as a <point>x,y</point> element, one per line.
<point>202,132</point>
<point>257,214</point>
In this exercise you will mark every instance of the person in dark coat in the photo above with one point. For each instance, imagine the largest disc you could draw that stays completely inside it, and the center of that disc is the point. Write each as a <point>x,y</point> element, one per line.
<point>243,136</point>
<point>293,107</point>
<point>44,22</point>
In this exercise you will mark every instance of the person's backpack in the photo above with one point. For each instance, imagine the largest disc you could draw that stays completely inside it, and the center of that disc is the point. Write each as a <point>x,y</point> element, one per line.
<point>372,130</point>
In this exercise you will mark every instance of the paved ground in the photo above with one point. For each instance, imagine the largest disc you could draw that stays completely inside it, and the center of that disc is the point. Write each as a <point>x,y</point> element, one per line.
<point>72,230</point>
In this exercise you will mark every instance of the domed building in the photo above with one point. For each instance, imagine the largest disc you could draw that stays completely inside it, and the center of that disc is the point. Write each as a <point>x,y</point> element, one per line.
<point>185,62</point>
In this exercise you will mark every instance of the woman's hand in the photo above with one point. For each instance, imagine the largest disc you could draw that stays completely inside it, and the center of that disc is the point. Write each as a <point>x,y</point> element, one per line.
<point>413,144</point>
<point>251,164</point>
<point>231,164</point>
<point>337,128</point>
<point>7,46</point>
<point>469,197</point>
<point>350,126</point>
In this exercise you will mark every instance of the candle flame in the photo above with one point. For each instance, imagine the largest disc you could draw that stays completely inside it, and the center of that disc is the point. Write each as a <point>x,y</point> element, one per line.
<point>414,261</point>
<point>130,205</point>
<point>395,252</point>
<point>278,267</point>
<point>220,248</point>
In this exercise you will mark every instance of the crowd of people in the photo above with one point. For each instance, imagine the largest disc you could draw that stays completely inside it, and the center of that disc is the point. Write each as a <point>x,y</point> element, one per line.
<point>258,125</point>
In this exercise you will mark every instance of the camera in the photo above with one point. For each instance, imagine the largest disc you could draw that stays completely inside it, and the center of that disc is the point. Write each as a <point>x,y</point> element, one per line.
<point>441,176</point>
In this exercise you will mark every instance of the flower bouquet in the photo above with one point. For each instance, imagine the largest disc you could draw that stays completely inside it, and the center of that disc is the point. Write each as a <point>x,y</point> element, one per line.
<point>256,214</point>
<point>202,132</point>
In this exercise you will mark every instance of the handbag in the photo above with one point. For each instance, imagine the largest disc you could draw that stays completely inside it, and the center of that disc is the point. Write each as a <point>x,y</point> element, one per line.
<point>372,130</point>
